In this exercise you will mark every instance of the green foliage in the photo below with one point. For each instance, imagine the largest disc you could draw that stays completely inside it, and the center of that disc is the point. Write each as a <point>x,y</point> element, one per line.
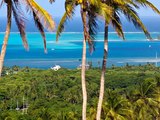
<point>132,93</point>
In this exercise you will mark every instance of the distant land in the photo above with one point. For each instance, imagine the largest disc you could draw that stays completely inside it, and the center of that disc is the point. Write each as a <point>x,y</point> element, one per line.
<point>152,23</point>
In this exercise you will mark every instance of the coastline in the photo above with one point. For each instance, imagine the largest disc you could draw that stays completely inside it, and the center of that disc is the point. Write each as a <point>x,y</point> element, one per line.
<point>135,50</point>
<point>73,63</point>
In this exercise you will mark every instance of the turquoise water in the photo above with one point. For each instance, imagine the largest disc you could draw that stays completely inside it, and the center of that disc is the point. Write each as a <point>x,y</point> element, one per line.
<point>136,49</point>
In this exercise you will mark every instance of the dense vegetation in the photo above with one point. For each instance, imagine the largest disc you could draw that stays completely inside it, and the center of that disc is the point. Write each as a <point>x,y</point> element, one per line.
<point>90,10</point>
<point>30,94</point>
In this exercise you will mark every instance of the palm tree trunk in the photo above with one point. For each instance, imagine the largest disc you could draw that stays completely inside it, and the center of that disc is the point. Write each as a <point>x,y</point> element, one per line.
<point>8,27</point>
<point>102,83</point>
<point>83,69</point>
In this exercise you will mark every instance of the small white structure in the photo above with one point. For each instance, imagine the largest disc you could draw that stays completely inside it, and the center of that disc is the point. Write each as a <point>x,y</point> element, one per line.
<point>17,108</point>
<point>56,67</point>
<point>87,66</point>
<point>7,73</point>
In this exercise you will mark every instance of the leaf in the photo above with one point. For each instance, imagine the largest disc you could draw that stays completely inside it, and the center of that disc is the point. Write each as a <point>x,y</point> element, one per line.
<point>51,1</point>
<point>19,18</point>
<point>69,6</point>
<point>1,3</point>
<point>149,4</point>
<point>132,16</point>
<point>41,29</point>
<point>43,15</point>
<point>116,23</point>
<point>92,26</point>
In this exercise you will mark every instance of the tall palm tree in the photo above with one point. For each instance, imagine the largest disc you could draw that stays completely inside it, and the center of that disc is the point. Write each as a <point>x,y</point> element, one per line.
<point>8,27</point>
<point>125,7</point>
<point>39,14</point>
<point>89,26</point>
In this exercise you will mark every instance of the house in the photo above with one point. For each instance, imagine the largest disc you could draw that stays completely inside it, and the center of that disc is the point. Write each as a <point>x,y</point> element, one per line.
<point>56,67</point>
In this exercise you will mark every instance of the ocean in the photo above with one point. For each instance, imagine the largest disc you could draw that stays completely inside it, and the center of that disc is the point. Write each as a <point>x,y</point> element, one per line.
<point>67,52</point>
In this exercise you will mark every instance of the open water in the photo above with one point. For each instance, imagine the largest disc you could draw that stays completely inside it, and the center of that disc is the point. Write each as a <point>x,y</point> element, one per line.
<point>135,50</point>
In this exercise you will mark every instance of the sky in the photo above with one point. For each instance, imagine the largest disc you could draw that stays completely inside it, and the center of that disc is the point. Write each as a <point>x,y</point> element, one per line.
<point>57,9</point>
<point>59,6</point>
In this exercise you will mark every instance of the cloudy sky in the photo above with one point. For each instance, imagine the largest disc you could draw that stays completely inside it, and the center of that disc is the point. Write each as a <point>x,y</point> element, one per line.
<point>57,8</point>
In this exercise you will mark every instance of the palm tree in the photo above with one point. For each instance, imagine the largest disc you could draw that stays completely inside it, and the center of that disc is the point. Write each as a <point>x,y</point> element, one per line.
<point>117,107</point>
<point>88,16</point>
<point>39,15</point>
<point>125,7</point>
<point>8,27</point>
<point>146,104</point>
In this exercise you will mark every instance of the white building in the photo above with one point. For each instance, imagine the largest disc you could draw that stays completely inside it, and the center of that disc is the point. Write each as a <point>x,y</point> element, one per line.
<point>56,67</point>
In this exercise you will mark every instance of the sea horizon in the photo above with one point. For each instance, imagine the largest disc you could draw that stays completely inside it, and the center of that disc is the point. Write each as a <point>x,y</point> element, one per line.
<point>149,22</point>
<point>135,50</point>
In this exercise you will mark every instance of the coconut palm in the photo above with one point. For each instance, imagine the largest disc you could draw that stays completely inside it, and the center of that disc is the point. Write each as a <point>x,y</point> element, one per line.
<point>39,14</point>
<point>89,25</point>
<point>126,7</point>
<point>69,10</point>
<point>146,104</point>
<point>116,107</point>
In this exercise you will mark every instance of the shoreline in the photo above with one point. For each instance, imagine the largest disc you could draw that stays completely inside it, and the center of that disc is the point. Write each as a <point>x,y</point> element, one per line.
<point>73,63</point>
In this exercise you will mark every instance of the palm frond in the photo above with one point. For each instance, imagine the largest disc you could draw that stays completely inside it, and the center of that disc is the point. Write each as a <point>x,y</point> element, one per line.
<point>140,2</point>
<point>41,29</point>
<point>69,7</point>
<point>120,117</point>
<point>19,19</point>
<point>61,25</point>
<point>119,2</point>
<point>105,11</point>
<point>51,1</point>
<point>92,25</point>
<point>67,15</point>
<point>131,2</point>
<point>43,15</point>
<point>132,16</point>
<point>152,7</point>
<point>94,2</point>
<point>116,23</point>
<point>1,3</point>
<point>146,3</point>
<point>129,115</point>
<point>92,22</point>
<point>17,4</point>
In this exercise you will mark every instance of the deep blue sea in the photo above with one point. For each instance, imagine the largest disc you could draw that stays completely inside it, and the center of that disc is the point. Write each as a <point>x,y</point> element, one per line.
<point>136,49</point>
